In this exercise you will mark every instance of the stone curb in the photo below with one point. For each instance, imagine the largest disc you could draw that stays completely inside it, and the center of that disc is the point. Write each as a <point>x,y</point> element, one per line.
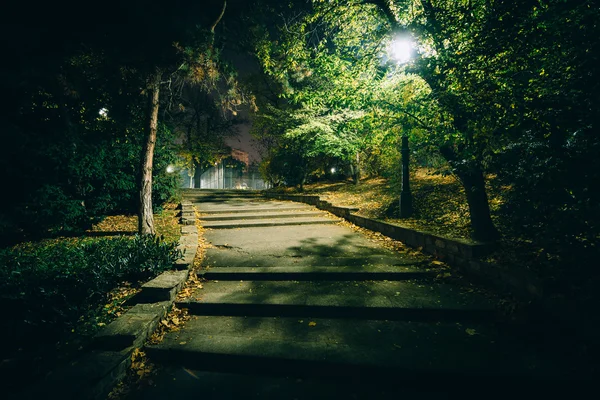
<point>188,215</point>
<point>91,376</point>
<point>95,374</point>
<point>457,252</point>
<point>164,287</point>
<point>132,328</point>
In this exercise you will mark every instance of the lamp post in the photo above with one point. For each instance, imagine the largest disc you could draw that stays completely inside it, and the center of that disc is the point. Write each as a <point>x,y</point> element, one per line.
<point>406,208</point>
<point>402,50</point>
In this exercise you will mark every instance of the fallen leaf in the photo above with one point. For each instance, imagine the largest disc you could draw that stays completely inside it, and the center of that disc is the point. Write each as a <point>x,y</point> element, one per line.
<point>471,332</point>
<point>312,323</point>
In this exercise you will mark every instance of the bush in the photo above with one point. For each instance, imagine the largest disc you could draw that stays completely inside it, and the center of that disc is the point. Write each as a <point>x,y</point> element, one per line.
<point>57,283</point>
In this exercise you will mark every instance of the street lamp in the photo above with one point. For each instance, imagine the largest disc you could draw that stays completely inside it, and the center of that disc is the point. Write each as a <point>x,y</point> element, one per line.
<point>406,208</point>
<point>401,50</point>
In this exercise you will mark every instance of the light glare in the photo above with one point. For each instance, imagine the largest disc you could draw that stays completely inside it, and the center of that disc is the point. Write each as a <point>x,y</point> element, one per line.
<point>401,49</point>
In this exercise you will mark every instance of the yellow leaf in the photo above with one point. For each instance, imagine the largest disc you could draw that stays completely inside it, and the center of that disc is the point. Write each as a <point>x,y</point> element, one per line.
<point>471,332</point>
<point>435,262</point>
<point>312,323</point>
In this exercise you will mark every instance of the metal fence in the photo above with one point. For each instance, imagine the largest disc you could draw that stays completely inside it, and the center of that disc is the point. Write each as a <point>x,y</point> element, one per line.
<point>224,176</point>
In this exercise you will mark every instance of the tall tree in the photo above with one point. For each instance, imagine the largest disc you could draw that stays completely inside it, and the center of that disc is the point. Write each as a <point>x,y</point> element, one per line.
<point>179,44</point>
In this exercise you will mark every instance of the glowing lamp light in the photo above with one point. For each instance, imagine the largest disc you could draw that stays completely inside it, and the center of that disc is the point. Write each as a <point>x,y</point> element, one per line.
<point>103,112</point>
<point>333,170</point>
<point>401,49</point>
<point>170,169</point>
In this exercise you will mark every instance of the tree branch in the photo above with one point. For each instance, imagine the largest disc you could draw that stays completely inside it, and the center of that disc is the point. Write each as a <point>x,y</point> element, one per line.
<point>213,26</point>
<point>384,6</point>
<point>417,119</point>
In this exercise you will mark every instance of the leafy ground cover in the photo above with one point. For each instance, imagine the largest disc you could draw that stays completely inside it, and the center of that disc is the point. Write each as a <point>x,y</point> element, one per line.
<point>439,201</point>
<point>59,292</point>
<point>441,208</point>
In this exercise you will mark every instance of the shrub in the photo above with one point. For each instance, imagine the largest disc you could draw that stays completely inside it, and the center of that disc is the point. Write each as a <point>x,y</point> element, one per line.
<point>56,283</point>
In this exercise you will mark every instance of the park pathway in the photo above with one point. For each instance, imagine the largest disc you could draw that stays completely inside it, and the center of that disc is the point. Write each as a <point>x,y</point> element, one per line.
<point>297,305</point>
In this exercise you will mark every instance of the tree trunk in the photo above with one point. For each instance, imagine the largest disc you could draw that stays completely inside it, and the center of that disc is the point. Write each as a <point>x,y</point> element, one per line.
<point>479,208</point>
<point>471,177</point>
<point>145,216</point>
<point>355,170</point>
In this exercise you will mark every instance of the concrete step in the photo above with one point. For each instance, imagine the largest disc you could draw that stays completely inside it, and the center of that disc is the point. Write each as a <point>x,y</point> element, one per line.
<point>222,195</point>
<point>220,192</point>
<point>218,199</point>
<point>235,205</point>
<point>310,346</point>
<point>262,215</point>
<point>342,273</point>
<point>221,209</point>
<point>397,300</point>
<point>224,256</point>
<point>268,222</point>
<point>215,385</point>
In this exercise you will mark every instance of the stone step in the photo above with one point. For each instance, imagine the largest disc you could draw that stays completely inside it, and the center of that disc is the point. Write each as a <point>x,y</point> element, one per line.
<point>310,346</point>
<point>204,210</point>
<point>342,273</point>
<point>234,202</point>
<point>226,192</point>
<point>239,195</point>
<point>268,222</point>
<point>262,215</point>
<point>225,256</point>
<point>220,199</point>
<point>397,300</point>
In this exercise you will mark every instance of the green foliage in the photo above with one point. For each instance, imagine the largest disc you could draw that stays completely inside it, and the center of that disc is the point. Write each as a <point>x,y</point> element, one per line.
<point>54,284</point>
<point>287,165</point>
<point>67,165</point>
<point>489,80</point>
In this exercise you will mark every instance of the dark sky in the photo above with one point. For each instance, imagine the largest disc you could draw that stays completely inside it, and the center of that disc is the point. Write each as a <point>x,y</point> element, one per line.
<point>243,141</point>
<point>245,65</point>
<point>42,30</point>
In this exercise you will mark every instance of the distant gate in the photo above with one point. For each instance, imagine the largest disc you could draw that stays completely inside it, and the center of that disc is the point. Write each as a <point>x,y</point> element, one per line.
<point>228,174</point>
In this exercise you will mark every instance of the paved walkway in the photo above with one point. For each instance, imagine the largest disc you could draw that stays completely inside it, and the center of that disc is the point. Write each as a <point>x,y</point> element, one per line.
<point>299,306</point>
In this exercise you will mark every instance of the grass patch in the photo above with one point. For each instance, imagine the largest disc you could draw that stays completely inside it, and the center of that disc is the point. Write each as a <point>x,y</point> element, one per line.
<point>165,222</point>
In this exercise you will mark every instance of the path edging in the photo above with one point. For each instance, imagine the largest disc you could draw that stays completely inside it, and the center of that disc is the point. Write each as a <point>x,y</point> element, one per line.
<point>460,253</point>
<point>97,372</point>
